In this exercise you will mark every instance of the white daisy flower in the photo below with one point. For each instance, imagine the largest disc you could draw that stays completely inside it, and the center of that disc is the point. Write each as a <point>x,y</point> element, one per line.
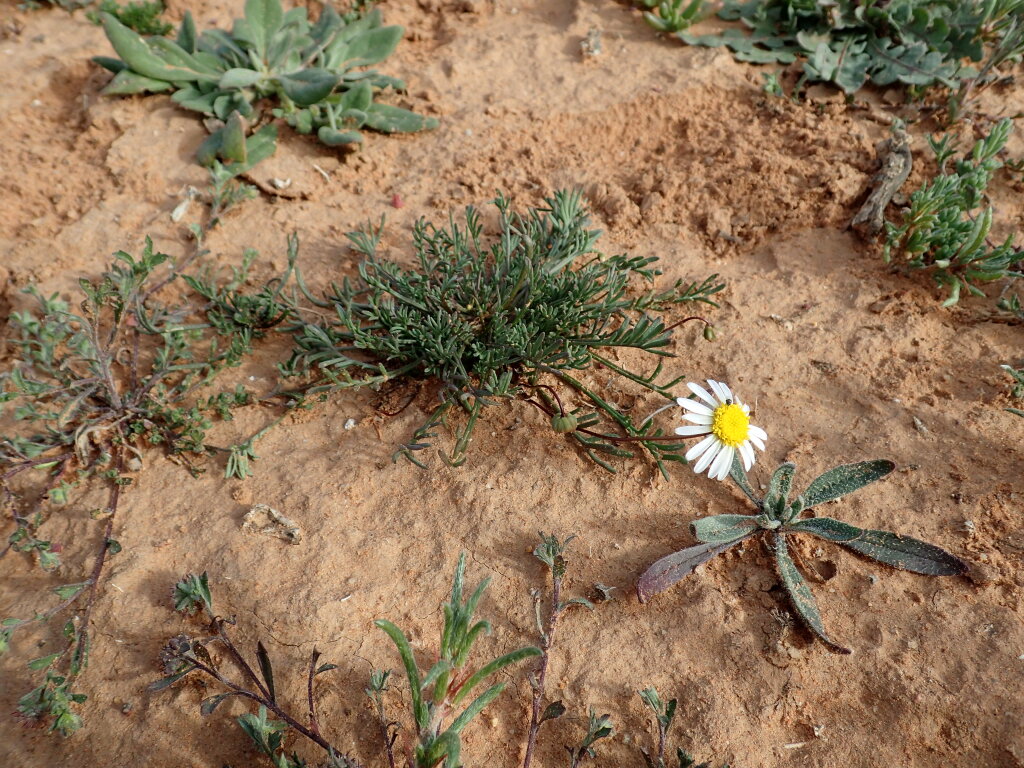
<point>724,422</point>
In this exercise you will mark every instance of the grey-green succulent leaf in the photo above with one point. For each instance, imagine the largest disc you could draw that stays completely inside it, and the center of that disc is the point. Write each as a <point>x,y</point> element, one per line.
<point>723,529</point>
<point>800,594</point>
<point>844,480</point>
<point>390,119</point>
<point>906,553</point>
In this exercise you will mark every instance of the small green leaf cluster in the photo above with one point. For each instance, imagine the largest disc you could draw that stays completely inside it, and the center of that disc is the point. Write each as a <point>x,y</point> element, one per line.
<point>314,76</point>
<point>53,701</point>
<point>192,594</point>
<point>779,518</point>
<point>664,712</point>
<point>142,17</point>
<point>437,693</point>
<point>489,319</point>
<point>672,15</point>
<point>598,727</point>
<point>917,43</point>
<point>946,227</point>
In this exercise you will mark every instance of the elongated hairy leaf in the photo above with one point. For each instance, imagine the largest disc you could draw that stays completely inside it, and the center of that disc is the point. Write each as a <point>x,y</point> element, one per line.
<point>671,568</point>
<point>800,594</point>
<point>907,553</point>
<point>826,528</point>
<point>845,479</point>
<point>722,529</point>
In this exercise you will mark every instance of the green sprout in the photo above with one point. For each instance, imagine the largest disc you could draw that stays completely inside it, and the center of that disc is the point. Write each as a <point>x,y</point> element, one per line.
<point>518,317</point>
<point>439,692</point>
<point>778,519</point>
<point>670,16</point>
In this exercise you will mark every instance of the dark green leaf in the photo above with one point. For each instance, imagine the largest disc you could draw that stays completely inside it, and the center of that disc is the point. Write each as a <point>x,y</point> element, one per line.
<point>209,704</point>
<point>165,682</point>
<point>778,489</point>
<point>43,661</point>
<point>127,82</point>
<point>826,528</point>
<point>844,480</point>
<point>800,594</point>
<point>552,711</point>
<point>67,591</point>
<point>266,668</point>
<point>906,553</point>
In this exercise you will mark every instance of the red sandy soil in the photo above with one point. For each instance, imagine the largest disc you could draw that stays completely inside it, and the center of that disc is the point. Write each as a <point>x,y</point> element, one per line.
<point>681,156</point>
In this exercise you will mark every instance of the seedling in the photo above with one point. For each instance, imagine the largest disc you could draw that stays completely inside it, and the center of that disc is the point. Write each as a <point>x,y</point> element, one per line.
<point>551,552</point>
<point>598,727</point>
<point>313,76</point>
<point>946,228</point>
<point>438,693</point>
<point>778,519</point>
<point>514,318</point>
<point>664,712</point>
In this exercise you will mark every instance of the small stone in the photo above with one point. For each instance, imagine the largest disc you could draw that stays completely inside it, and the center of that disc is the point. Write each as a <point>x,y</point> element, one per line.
<point>349,424</point>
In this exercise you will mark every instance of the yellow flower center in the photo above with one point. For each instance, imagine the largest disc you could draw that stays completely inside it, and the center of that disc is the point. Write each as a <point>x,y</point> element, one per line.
<point>730,424</point>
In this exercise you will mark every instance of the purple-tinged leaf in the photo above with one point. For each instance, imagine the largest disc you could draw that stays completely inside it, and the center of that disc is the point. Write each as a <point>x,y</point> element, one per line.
<point>671,568</point>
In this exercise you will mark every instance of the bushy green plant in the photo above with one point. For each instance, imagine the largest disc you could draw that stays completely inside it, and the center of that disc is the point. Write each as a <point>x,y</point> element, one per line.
<point>88,389</point>
<point>314,76</point>
<point>142,17</point>
<point>778,518</point>
<point>849,43</point>
<point>946,227</point>
<point>508,318</point>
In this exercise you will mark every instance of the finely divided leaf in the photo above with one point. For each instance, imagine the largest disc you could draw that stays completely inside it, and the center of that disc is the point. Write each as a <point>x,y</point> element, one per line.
<point>844,480</point>
<point>906,553</point>
<point>800,593</point>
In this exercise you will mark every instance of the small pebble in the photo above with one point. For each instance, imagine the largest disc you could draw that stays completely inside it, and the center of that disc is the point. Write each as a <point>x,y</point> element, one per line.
<point>350,423</point>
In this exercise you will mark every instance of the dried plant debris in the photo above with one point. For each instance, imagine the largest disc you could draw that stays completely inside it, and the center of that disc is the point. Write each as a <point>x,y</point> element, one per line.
<point>266,521</point>
<point>778,519</point>
<point>514,317</point>
<point>272,64</point>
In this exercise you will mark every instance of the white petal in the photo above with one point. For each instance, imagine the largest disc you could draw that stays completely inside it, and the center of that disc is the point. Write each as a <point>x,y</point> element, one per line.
<point>744,406</point>
<point>693,405</point>
<point>702,393</point>
<point>728,392</point>
<point>700,447</point>
<point>697,418</point>
<point>757,441</point>
<point>708,457</point>
<point>748,455</point>
<point>758,432</point>
<point>688,431</point>
<point>723,461</point>
<point>719,390</point>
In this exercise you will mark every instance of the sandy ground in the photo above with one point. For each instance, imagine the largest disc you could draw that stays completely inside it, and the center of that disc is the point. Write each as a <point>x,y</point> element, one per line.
<point>681,157</point>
